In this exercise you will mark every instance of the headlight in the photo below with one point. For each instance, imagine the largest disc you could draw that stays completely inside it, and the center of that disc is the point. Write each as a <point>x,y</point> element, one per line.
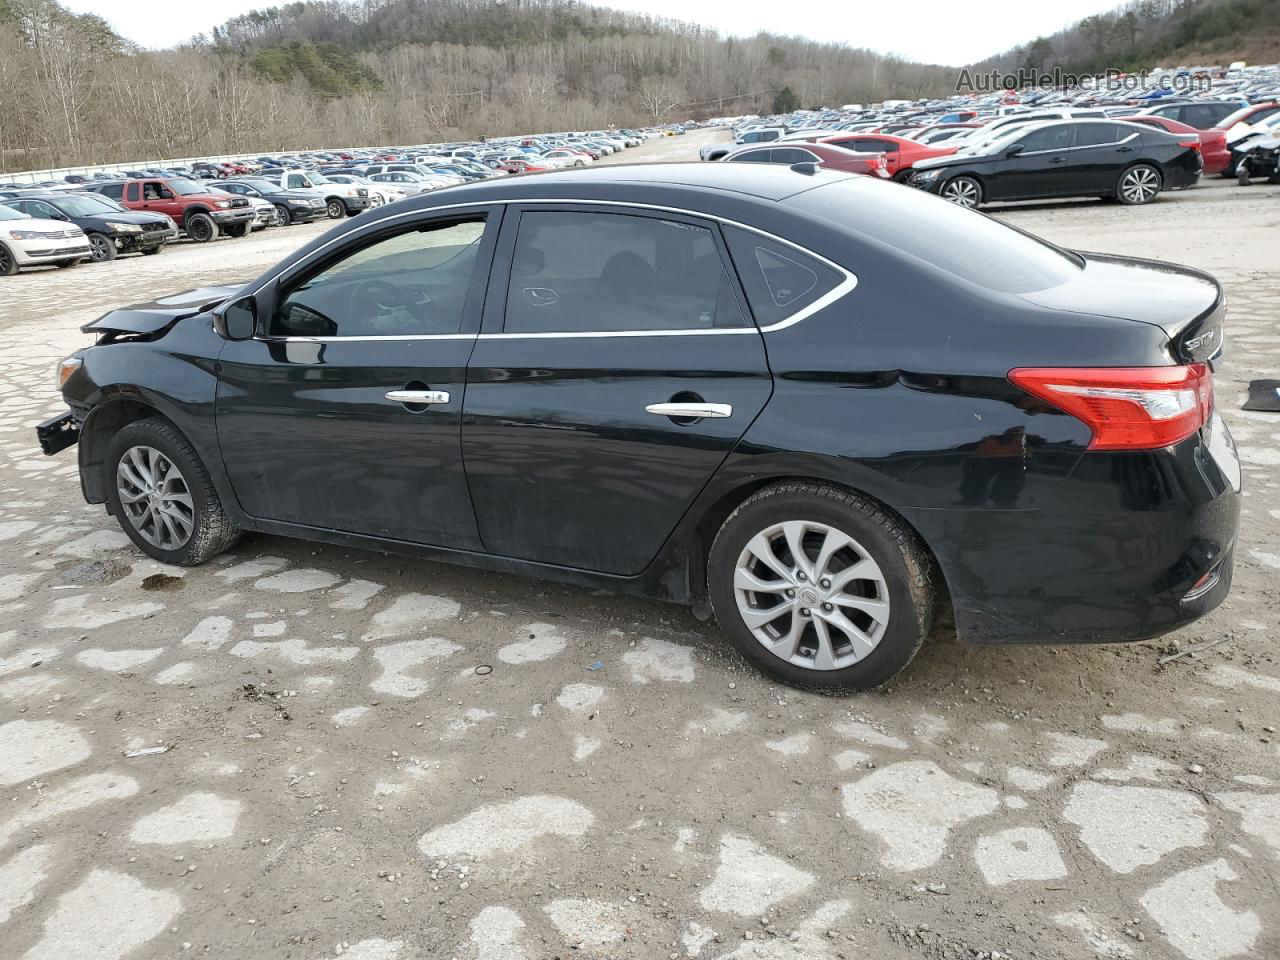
<point>927,174</point>
<point>300,203</point>
<point>66,368</point>
<point>222,203</point>
<point>124,227</point>
<point>28,235</point>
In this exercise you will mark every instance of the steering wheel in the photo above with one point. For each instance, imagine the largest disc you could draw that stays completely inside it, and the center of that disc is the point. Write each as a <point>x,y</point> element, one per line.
<point>387,297</point>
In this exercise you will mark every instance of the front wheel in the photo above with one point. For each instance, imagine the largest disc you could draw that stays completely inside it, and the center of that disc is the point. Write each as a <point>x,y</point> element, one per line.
<point>101,248</point>
<point>902,176</point>
<point>238,229</point>
<point>963,192</point>
<point>336,209</point>
<point>152,251</point>
<point>201,228</point>
<point>8,262</point>
<point>1138,185</point>
<point>162,496</point>
<point>820,588</point>
<point>283,216</point>
<point>64,264</point>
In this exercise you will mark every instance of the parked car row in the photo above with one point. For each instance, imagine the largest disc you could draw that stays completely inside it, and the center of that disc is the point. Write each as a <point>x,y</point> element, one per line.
<point>1128,145</point>
<point>99,216</point>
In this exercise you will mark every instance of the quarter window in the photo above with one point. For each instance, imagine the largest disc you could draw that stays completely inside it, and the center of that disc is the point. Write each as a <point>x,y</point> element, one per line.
<point>779,280</point>
<point>411,284</point>
<point>606,272</point>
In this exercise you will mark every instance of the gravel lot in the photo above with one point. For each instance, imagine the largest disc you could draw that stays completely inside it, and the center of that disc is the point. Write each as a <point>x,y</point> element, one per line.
<point>291,753</point>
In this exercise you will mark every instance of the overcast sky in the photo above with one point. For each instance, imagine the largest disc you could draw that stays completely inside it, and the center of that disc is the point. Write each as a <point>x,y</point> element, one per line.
<point>933,31</point>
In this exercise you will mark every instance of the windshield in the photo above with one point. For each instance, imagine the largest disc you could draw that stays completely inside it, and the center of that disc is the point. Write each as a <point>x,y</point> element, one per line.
<point>969,245</point>
<point>102,201</point>
<point>8,213</point>
<point>81,207</point>
<point>263,186</point>
<point>318,178</point>
<point>186,188</point>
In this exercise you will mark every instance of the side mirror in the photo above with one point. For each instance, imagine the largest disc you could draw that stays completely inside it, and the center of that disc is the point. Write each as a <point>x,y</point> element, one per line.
<point>237,321</point>
<point>1014,151</point>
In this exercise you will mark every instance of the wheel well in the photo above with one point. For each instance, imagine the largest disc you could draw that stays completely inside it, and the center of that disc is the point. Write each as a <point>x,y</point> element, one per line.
<point>714,516</point>
<point>105,422</point>
<point>192,211</point>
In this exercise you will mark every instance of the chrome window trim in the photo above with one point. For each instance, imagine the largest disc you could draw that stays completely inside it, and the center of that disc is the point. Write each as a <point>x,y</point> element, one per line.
<point>837,292</point>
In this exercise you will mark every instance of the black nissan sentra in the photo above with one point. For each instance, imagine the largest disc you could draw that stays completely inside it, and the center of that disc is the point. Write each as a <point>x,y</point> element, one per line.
<point>819,406</point>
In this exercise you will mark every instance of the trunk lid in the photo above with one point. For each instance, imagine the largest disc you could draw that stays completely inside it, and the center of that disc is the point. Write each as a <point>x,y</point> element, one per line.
<point>1188,305</point>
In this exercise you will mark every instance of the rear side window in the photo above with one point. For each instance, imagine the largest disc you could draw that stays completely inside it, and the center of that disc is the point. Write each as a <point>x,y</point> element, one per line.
<point>581,272</point>
<point>971,246</point>
<point>1097,134</point>
<point>791,155</point>
<point>779,280</point>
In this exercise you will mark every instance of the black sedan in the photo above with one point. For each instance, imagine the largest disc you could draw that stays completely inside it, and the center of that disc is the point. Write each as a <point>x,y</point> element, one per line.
<point>292,206</point>
<point>820,406</point>
<point>1129,162</point>
<point>111,228</point>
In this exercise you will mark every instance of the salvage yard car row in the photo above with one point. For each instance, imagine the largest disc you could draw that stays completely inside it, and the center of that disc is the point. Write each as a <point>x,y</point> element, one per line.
<point>98,216</point>
<point>1039,145</point>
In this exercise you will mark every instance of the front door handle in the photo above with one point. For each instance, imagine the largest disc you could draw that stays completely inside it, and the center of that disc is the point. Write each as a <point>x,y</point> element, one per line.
<point>418,396</point>
<point>692,410</point>
<point>1058,160</point>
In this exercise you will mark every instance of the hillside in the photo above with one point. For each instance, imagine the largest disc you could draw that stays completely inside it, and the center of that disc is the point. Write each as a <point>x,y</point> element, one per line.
<point>1146,33</point>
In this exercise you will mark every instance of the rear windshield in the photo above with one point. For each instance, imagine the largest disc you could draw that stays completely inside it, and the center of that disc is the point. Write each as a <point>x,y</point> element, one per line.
<point>964,243</point>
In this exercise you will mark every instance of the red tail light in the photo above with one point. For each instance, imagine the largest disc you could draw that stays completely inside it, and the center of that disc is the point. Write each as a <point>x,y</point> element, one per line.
<point>1127,408</point>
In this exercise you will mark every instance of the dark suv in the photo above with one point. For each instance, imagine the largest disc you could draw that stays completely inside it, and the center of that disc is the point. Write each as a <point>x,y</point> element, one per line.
<point>738,386</point>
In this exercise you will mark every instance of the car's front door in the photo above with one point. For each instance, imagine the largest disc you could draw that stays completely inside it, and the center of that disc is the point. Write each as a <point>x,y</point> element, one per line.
<point>1039,170</point>
<point>344,412</point>
<point>618,368</point>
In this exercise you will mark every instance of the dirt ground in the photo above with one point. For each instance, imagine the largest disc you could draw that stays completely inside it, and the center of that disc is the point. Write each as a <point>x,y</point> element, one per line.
<point>301,751</point>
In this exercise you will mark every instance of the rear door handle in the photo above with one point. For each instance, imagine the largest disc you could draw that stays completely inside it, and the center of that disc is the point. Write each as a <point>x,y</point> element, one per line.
<point>418,396</point>
<point>697,410</point>
<point>1058,160</point>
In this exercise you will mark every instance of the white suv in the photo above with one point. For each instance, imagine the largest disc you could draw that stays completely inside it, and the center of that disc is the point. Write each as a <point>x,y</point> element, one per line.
<point>28,242</point>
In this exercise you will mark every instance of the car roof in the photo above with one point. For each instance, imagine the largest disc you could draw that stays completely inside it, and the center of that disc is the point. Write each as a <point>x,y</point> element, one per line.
<point>772,182</point>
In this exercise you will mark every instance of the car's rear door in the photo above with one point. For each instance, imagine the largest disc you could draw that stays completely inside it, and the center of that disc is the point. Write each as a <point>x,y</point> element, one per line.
<point>617,369</point>
<point>1098,155</point>
<point>344,412</point>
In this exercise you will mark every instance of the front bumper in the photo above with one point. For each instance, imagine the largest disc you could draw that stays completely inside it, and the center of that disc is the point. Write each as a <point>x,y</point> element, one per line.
<point>356,204</point>
<point>30,253</point>
<point>225,218</point>
<point>148,238</point>
<point>58,433</point>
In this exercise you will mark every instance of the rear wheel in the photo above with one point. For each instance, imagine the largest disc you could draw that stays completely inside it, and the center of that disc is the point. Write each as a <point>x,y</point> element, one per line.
<point>336,209</point>
<point>820,587</point>
<point>201,228</point>
<point>1138,185</point>
<point>963,192</point>
<point>101,248</point>
<point>162,496</point>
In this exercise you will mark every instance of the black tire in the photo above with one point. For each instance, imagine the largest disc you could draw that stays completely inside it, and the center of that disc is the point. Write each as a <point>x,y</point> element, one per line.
<point>1144,170</point>
<point>212,531</point>
<point>102,248</point>
<point>335,208</point>
<point>903,561</point>
<point>65,264</point>
<point>152,251</point>
<point>8,263</point>
<point>1242,175</point>
<point>238,230</point>
<point>201,228</point>
<point>902,176</point>
<point>283,216</point>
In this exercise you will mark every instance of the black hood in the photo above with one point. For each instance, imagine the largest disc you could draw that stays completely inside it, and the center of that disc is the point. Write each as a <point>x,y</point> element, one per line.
<point>157,316</point>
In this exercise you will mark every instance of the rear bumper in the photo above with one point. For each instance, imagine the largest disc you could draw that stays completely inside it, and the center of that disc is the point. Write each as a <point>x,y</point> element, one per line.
<point>1133,546</point>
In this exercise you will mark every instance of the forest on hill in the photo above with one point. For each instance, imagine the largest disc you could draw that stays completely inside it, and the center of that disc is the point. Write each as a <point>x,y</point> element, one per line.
<point>348,72</point>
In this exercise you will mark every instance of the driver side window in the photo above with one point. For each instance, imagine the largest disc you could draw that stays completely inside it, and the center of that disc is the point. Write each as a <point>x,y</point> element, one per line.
<point>412,283</point>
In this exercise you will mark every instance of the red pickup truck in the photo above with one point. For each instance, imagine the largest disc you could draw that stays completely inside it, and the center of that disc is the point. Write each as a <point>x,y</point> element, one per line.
<point>202,215</point>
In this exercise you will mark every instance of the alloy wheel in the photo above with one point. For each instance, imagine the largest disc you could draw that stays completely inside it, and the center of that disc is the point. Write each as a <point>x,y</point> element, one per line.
<point>962,192</point>
<point>811,595</point>
<point>100,248</point>
<point>1140,184</point>
<point>155,497</point>
<point>6,262</point>
<point>335,209</point>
